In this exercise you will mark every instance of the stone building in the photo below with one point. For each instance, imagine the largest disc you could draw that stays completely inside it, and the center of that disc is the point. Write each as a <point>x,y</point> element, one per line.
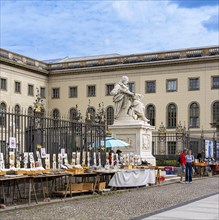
<point>180,88</point>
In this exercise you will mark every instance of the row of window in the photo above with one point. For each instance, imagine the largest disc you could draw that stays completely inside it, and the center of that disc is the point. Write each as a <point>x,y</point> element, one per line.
<point>150,113</point>
<point>150,87</point>
<point>17,88</point>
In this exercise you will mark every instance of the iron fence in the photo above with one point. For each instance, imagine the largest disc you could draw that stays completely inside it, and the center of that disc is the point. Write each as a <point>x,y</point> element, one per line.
<point>34,131</point>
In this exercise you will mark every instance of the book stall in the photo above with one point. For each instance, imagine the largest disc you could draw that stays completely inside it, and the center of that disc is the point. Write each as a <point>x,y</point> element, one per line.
<point>28,177</point>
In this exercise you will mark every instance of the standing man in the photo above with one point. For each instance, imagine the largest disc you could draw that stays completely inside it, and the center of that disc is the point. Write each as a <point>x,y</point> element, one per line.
<point>182,164</point>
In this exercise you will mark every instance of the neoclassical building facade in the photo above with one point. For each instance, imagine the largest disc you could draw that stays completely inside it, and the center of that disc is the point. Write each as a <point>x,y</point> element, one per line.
<point>180,88</point>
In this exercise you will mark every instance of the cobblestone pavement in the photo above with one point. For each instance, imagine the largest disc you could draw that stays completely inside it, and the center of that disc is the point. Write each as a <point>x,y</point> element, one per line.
<point>120,205</point>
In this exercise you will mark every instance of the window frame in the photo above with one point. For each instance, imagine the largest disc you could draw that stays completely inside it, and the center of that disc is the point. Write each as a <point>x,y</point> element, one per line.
<point>146,86</point>
<point>197,124</point>
<point>70,94</point>
<point>154,114</point>
<point>168,119</point>
<point>28,92</point>
<point>107,92</point>
<point>129,84</point>
<point>167,82</point>
<point>44,95</point>
<point>91,95</point>
<point>212,82</point>
<point>193,89</point>
<point>15,83</point>
<point>5,84</point>
<point>53,90</point>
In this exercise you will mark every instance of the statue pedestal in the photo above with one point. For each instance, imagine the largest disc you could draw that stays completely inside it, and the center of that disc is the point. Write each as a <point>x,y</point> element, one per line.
<point>138,134</point>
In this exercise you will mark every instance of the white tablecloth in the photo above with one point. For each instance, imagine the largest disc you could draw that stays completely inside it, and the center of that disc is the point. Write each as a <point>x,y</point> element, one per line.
<point>132,178</point>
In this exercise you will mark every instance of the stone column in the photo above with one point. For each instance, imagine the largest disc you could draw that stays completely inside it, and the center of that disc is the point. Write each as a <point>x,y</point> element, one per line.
<point>162,139</point>
<point>179,138</point>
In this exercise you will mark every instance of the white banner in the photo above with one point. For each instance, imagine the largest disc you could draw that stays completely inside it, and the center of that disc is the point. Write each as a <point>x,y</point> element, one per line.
<point>12,142</point>
<point>209,149</point>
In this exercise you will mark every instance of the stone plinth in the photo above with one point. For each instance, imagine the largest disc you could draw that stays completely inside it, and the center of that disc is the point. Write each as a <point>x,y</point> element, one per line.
<point>138,134</point>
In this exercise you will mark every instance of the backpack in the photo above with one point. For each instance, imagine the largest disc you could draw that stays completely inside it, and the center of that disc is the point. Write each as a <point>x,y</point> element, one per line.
<point>179,159</point>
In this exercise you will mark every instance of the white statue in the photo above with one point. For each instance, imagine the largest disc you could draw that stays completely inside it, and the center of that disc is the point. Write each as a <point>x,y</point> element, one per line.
<point>137,108</point>
<point>126,102</point>
<point>121,97</point>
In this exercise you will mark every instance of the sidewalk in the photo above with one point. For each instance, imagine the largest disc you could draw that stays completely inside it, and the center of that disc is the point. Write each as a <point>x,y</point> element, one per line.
<point>206,208</point>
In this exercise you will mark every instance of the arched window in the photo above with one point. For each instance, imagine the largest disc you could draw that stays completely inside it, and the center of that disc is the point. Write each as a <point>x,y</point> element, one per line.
<point>17,116</point>
<point>109,115</point>
<point>194,115</point>
<point>30,111</point>
<point>92,112</point>
<point>55,115</point>
<point>2,114</point>
<point>171,116</point>
<point>150,114</point>
<point>73,114</point>
<point>215,111</point>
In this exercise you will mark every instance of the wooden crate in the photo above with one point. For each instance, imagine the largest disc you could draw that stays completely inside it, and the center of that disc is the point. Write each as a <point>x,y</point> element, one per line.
<point>46,171</point>
<point>20,172</point>
<point>76,186</point>
<point>88,186</point>
<point>75,171</point>
<point>100,186</point>
<point>2,173</point>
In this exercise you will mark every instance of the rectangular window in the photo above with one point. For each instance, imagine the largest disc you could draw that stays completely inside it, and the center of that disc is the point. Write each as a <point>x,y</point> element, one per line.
<point>171,85</point>
<point>109,88</point>
<point>171,147</point>
<point>42,92</point>
<point>193,84</point>
<point>17,87</point>
<point>55,93</point>
<point>215,82</point>
<point>30,90</point>
<point>150,86</point>
<point>3,84</point>
<point>91,91</point>
<point>73,92</point>
<point>131,86</point>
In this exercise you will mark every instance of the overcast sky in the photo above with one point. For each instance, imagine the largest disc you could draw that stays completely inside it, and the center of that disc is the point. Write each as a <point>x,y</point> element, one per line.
<point>49,29</point>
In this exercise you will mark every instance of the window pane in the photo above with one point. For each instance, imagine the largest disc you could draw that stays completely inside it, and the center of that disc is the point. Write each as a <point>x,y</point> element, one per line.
<point>171,85</point>
<point>151,114</point>
<point>3,84</point>
<point>216,112</point>
<point>73,114</point>
<point>42,92</point>
<point>131,87</point>
<point>30,90</point>
<point>215,82</point>
<point>109,88</point>
<point>73,92</point>
<point>194,115</point>
<point>171,117</point>
<point>150,86</point>
<point>91,91</point>
<point>194,84</point>
<point>171,147</point>
<point>17,87</point>
<point>55,93</point>
<point>110,115</point>
<point>2,114</point>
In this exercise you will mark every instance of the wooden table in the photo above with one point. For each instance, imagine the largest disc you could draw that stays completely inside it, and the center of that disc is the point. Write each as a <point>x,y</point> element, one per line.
<point>201,168</point>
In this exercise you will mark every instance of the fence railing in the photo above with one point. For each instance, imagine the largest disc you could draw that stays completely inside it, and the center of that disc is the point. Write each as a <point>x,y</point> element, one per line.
<point>31,133</point>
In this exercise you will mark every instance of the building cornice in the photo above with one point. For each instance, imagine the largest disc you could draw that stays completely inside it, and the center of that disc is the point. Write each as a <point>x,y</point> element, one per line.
<point>105,64</point>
